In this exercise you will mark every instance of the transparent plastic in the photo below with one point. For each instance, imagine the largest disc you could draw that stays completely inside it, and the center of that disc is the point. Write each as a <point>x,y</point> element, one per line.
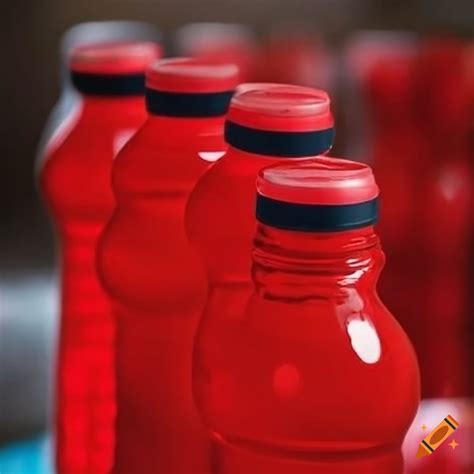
<point>75,182</point>
<point>159,287</point>
<point>311,374</point>
<point>224,198</point>
<point>87,33</point>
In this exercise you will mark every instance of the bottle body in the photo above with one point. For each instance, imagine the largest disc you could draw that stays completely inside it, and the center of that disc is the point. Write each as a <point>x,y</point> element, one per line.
<point>224,199</point>
<point>261,130</point>
<point>75,183</point>
<point>158,287</point>
<point>314,375</point>
<point>445,194</point>
<point>425,228</point>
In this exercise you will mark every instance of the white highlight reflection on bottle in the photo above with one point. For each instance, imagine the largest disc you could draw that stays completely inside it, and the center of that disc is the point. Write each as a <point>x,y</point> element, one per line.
<point>364,340</point>
<point>211,156</point>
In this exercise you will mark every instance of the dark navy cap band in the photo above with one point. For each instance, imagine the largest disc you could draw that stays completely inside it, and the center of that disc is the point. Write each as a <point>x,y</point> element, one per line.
<point>272,143</point>
<point>109,84</point>
<point>182,104</point>
<point>316,217</point>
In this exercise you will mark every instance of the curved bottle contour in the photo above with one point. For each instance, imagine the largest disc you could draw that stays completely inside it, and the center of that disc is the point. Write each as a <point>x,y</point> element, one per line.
<point>144,257</point>
<point>82,34</point>
<point>425,155</point>
<point>75,181</point>
<point>298,118</point>
<point>158,286</point>
<point>153,275</point>
<point>70,165</point>
<point>314,371</point>
<point>319,353</point>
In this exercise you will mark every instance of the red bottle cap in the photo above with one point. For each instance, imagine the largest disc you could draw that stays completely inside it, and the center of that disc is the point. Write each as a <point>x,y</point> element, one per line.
<point>324,180</point>
<point>192,75</point>
<point>324,194</point>
<point>281,107</point>
<point>132,57</point>
<point>280,120</point>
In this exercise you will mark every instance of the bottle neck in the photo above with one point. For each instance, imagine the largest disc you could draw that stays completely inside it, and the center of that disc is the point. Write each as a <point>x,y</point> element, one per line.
<point>114,106</point>
<point>188,125</point>
<point>294,265</point>
<point>265,159</point>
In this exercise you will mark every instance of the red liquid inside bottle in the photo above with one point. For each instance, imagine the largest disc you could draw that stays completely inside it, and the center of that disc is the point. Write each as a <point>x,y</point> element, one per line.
<point>75,182</point>
<point>154,277</point>
<point>399,157</point>
<point>267,123</point>
<point>81,34</point>
<point>444,207</point>
<point>314,375</point>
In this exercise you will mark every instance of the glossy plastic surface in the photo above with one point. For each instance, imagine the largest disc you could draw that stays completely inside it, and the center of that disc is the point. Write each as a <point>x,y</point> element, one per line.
<point>82,34</point>
<point>420,145</point>
<point>224,198</point>
<point>159,288</point>
<point>75,182</point>
<point>444,206</point>
<point>399,157</point>
<point>311,374</point>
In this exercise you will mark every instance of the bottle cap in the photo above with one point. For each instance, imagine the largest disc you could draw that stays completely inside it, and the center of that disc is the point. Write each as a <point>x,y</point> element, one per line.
<point>192,75</point>
<point>112,68</point>
<point>324,195</point>
<point>190,87</point>
<point>280,120</point>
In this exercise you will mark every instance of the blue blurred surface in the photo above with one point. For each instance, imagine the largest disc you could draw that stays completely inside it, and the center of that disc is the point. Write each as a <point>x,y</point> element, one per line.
<point>31,456</point>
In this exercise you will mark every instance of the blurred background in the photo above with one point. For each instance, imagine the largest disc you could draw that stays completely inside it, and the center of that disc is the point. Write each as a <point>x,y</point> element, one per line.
<point>401,77</point>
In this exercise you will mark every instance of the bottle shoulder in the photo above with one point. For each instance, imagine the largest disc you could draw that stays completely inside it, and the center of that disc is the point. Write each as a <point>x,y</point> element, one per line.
<point>154,164</point>
<point>225,194</point>
<point>146,262</point>
<point>310,355</point>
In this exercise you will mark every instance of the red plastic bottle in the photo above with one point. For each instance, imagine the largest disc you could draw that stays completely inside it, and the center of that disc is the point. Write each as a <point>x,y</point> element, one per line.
<point>314,375</point>
<point>266,123</point>
<point>154,277</point>
<point>82,34</point>
<point>444,208</point>
<point>75,182</point>
<point>399,159</point>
